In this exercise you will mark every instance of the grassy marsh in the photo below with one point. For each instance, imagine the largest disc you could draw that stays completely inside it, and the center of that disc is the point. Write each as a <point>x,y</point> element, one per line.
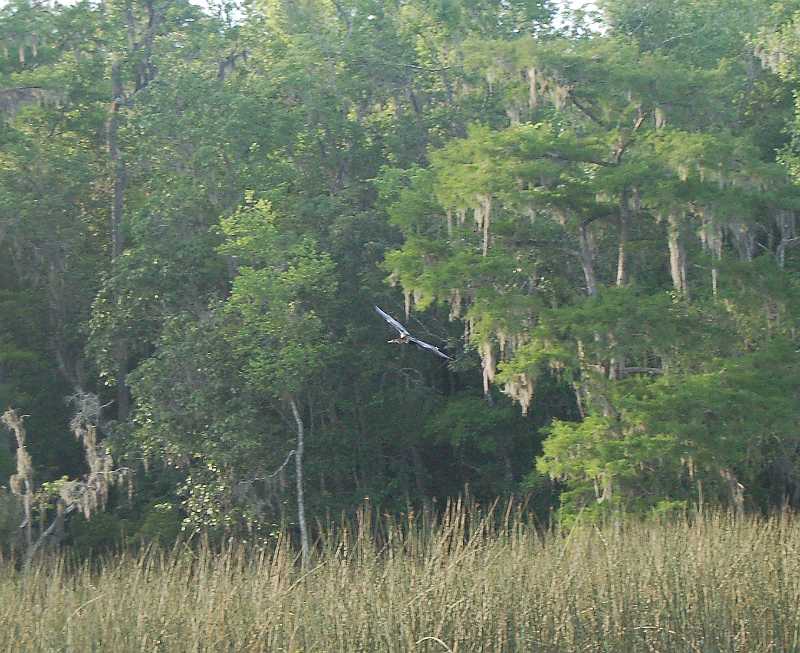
<point>708,584</point>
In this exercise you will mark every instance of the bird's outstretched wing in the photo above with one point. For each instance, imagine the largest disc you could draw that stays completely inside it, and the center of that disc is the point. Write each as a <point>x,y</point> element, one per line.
<point>403,331</point>
<point>408,337</point>
<point>430,348</point>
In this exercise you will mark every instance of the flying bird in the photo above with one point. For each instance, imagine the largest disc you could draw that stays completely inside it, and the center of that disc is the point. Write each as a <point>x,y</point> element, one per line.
<point>405,337</point>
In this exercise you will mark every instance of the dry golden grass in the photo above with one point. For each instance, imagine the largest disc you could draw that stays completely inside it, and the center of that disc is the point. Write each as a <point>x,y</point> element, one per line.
<point>709,584</point>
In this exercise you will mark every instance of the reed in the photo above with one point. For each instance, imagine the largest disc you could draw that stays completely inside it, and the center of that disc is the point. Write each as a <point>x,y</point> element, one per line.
<point>469,582</point>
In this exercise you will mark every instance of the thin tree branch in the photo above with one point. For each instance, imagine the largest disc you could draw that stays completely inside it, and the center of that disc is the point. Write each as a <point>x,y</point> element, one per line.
<point>640,370</point>
<point>250,481</point>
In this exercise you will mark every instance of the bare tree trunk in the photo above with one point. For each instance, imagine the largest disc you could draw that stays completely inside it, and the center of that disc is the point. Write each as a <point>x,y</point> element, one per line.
<point>624,225</point>
<point>700,496</point>
<point>711,235</point>
<point>508,469</point>
<point>587,258</point>
<point>298,461</point>
<point>716,255</point>
<point>117,165</point>
<point>419,472</point>
<point>117,235</point>
<point>617,364</point>
<point>715,279</point>
<point>677,256</point>
<point>580,399</point>
<point>735,489</point>
<point>27,502</point>
<point>745,240</point>
<point>787,223</point>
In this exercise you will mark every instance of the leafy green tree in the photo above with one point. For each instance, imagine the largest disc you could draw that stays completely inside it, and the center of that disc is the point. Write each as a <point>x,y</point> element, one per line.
<point>525,230</point>
<point>198,210</point>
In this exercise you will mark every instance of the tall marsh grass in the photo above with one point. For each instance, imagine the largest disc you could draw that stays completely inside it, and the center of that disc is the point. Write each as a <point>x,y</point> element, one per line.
<point>708,584</point>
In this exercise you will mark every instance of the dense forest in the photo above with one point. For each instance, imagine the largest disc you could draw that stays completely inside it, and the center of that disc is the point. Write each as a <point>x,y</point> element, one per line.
<point>594,214</point>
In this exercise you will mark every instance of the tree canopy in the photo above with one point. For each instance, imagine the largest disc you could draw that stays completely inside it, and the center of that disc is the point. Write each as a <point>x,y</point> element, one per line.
<point>598,220</point>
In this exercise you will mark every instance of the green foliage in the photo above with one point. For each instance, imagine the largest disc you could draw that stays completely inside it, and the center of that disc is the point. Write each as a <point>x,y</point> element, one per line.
<point>160,525</point>
<point>282,286</point>
<point>601,224</point>
<point>177,422</point>
<point>495,442</point>
<point>609,147</point>
<point>102,534</point>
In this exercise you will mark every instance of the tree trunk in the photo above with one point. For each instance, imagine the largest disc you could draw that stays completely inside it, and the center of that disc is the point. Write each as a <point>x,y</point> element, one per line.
<point>787,223</point>
<point>735,489</point>
<point>587,258</point>
<point>615,365</point>
<point>715,279</point>
<point>677,256</point>
<point>745,240</point>
<point>298,461</point>
<point>711,235</point>
<point>508,470</point>
<point>419,473</point>
<point>580,399</point>
<point>624,225</point>
<point>27,502</point>
<point>117,235</point>
<point>117,165</point>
